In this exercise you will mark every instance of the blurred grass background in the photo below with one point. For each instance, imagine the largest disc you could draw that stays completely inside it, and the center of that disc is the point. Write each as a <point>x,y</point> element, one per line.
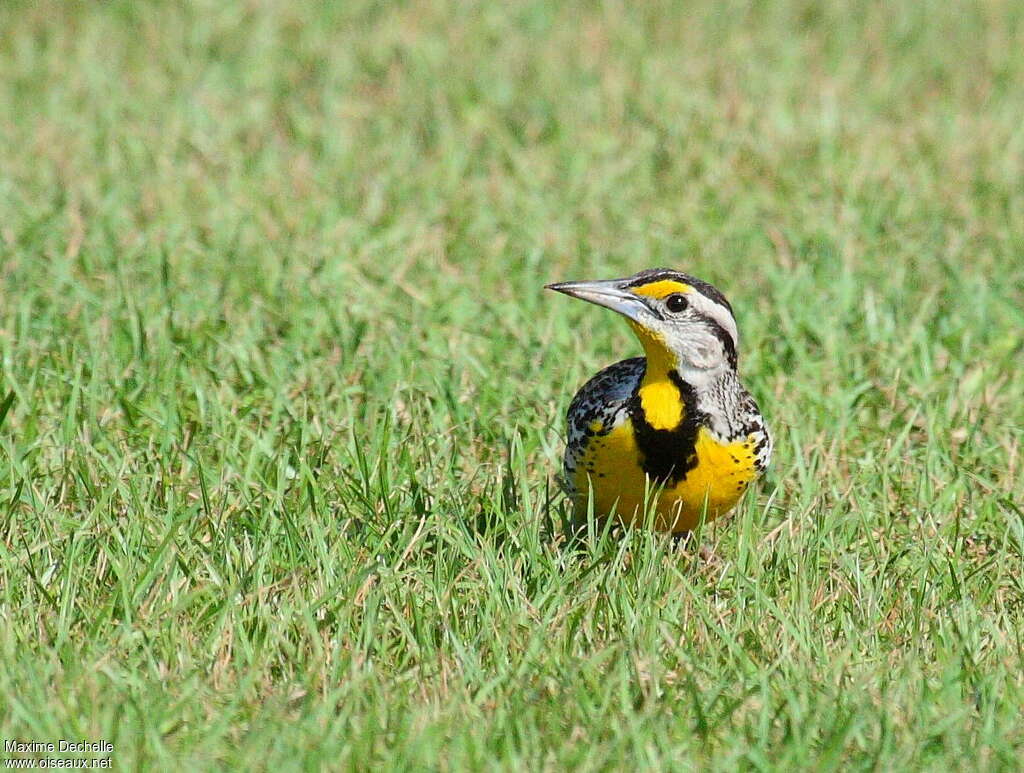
<point>284,396</point>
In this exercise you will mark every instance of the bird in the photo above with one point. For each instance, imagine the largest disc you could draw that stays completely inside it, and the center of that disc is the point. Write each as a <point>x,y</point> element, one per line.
<point>672,436</point>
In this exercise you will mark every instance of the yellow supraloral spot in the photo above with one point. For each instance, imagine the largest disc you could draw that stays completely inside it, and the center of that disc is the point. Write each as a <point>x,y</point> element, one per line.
<point>661,289</point>
<point>596,425</point>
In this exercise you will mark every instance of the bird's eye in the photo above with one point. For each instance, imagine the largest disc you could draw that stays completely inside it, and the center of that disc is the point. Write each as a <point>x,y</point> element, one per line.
<point>676,303</point>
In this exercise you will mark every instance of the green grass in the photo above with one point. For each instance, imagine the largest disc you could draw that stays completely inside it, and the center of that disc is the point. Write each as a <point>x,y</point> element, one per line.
<point>277,472</point>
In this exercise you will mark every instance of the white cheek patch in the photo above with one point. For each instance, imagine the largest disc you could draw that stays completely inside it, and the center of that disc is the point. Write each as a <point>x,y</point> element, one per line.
<point>704,352</point>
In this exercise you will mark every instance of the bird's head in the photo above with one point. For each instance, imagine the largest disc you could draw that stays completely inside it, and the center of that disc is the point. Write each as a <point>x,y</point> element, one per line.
<point>684,323</point>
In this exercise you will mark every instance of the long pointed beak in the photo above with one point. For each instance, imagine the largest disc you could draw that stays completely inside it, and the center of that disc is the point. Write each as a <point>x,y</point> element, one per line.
<point>608,293</point>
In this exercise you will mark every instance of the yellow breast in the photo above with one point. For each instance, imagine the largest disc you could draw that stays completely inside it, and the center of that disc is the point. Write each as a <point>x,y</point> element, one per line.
<point>610,469</point>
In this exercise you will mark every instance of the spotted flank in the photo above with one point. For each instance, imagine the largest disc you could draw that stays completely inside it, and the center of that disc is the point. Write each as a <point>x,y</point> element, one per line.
<point>598,408</point>
<point>673,433</point>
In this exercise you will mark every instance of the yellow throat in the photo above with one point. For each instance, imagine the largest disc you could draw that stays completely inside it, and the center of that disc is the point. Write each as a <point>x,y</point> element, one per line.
<point>659,396</point>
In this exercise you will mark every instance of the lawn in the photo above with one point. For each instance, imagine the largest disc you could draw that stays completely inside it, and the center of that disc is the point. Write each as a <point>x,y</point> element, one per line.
<point>282,396</point>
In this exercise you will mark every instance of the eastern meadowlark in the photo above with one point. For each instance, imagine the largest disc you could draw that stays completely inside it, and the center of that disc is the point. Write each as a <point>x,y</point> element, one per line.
<point>674,430</point>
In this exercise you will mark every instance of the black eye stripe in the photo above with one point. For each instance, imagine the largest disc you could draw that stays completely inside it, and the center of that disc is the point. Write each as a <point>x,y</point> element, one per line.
<point>722,335</point>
